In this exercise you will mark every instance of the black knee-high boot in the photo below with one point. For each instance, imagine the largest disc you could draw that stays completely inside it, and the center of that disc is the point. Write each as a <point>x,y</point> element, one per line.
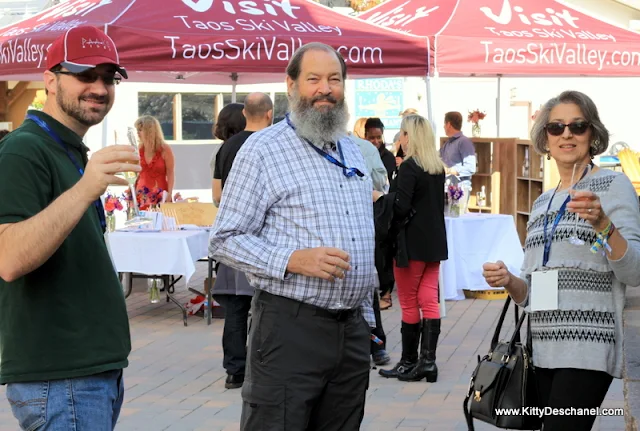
<point>410,342</point>
<point>426,367</point>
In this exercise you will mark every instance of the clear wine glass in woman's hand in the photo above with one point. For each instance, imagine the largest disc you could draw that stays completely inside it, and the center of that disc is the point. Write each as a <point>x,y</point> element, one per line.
<point>580,180</point>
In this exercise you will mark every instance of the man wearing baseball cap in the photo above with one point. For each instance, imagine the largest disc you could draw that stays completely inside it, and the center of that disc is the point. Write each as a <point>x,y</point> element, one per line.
<point>64,330</point>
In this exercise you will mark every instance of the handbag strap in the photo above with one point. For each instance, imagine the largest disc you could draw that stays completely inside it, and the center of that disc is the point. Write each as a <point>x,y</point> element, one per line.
<point>496,333</point>
<point>515,338</point>
<point>516,319</point>
<point>519,319</point>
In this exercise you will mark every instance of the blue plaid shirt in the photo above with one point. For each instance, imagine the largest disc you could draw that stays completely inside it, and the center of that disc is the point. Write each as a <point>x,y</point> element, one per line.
<point>282,196</point>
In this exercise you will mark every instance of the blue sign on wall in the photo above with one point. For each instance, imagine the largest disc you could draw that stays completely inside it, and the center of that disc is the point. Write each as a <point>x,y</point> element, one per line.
<point>382,98</point>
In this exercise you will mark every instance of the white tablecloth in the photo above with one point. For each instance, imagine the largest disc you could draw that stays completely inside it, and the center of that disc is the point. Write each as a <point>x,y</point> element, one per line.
<point>171,253</point>
<point>472,240</point>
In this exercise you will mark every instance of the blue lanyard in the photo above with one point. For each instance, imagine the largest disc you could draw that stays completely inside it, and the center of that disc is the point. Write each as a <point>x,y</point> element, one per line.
<point>548,239</point>
<point>347,172</point>
<point>44,126</point>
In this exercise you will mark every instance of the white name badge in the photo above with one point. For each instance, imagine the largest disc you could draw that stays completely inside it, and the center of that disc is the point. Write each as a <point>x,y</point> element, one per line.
<point>544,291</point>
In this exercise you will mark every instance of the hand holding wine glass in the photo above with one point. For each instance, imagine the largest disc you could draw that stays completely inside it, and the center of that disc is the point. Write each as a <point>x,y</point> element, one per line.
<point>586,204</point>
<point>103,168</point>
<point>580,186</point>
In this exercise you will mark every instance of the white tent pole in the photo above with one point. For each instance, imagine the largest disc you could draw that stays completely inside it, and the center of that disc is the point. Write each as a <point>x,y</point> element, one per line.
<point>429,105</point>
<point>234,80</point>
<point>428,84</point>
<point>498,106</point>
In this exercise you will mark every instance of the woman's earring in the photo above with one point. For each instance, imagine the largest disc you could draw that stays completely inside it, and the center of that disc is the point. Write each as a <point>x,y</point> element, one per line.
<point>548,156</point>
<point>593,148</point>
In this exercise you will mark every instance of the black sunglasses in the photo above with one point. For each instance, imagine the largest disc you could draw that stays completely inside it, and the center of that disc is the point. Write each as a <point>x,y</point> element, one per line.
<point>576,128</point>
<point>89,77</point>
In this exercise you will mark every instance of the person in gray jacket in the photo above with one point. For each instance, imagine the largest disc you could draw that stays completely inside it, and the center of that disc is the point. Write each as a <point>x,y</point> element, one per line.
<point>374,163</point>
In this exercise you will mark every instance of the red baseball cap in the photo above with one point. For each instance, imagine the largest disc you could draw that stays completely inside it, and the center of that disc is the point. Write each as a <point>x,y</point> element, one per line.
<point>82,48</point>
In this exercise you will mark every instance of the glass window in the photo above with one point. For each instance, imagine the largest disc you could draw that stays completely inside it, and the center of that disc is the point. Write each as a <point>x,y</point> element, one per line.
<point>159,105</point>
<point>226,98</point>
<point>280,106</point>
<point>197,116</point>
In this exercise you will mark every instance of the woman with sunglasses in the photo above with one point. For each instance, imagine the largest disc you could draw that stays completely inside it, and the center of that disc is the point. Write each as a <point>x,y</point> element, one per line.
<point>577,338</point>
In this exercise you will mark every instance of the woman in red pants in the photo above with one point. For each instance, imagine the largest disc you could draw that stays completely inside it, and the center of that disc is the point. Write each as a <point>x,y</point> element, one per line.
<point>420,190</point>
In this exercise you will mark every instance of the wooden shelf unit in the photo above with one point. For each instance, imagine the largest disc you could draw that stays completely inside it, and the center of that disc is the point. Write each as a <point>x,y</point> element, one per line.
<point>495,159</point>
<point>536,175</point>
<point>513,174</point>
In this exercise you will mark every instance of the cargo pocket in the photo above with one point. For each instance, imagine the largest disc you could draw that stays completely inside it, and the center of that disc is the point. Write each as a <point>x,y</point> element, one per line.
<point>264,407</point>
<point>28,403</point>
<point>264,340</point>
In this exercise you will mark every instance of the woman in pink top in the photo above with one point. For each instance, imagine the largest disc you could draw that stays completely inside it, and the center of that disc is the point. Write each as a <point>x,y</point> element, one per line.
<point>157,161</point>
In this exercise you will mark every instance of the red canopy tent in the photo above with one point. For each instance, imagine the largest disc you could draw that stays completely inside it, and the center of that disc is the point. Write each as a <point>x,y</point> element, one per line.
<point>207,41</point>
<point>513,37</point>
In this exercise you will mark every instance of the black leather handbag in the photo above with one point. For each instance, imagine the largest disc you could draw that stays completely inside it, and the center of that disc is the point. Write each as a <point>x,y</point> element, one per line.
<point>504,379</point>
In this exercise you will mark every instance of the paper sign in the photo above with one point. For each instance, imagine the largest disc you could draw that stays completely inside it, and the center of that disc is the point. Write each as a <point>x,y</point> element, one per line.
<point>155,216</point>
<point>544,291</point>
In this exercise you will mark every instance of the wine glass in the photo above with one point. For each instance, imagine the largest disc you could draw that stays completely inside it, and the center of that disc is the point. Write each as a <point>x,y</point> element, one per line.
<point>131,177</point>
<point>337,242</point>
<point>580,180</point>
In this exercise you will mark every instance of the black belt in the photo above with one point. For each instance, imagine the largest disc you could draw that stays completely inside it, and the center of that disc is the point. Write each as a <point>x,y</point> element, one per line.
<point>312,310</point>
<point>464,178</point>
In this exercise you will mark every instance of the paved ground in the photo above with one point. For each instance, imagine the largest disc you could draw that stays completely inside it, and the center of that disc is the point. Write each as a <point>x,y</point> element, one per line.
<point>175,380</point>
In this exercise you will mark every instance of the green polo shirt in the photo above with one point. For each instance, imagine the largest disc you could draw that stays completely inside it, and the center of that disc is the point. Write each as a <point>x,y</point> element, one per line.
<point>67,318</point>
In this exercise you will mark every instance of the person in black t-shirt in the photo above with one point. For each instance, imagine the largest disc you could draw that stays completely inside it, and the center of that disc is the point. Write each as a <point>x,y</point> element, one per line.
<point>230,122</point>
<point>232,289</point>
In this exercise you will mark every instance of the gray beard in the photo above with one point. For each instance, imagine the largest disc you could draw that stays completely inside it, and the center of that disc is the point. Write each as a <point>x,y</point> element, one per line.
<point>318,126</point>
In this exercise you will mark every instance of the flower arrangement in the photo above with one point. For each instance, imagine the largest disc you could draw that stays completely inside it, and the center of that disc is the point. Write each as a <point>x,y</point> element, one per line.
<point>476,116</point>
<point>454,194</point>
<point>146,198</point>
<point>112,203</point>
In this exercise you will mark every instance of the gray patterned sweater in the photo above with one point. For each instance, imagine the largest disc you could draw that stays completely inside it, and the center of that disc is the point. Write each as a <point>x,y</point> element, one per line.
<point>586,331</point>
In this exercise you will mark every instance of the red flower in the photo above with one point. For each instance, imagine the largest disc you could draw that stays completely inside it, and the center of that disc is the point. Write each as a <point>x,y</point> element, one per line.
<point>112,203</point>
<point>475,116</point>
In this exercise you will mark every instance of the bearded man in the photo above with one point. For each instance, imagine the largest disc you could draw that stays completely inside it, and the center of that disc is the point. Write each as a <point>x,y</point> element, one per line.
<point>297,219</point>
